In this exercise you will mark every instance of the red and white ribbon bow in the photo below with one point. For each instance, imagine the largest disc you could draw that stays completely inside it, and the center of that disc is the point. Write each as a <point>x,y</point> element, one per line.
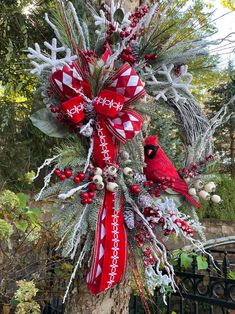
<point>116,122</point>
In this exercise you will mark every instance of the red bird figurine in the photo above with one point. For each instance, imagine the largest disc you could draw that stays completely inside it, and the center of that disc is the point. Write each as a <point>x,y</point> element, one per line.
<point>160,169</point>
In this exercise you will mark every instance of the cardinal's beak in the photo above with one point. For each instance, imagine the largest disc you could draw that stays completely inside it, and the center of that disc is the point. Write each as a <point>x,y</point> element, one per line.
<point>149,151</point>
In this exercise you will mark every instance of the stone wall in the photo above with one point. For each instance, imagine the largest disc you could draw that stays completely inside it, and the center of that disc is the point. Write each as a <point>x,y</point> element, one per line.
<point>218,228</point>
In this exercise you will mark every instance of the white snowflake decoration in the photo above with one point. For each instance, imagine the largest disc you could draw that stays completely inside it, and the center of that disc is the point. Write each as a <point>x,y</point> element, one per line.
<point>51,62</point>
<point>173,86</point>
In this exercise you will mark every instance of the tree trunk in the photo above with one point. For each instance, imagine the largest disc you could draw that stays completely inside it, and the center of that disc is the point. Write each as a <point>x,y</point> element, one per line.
<point>113,301</point>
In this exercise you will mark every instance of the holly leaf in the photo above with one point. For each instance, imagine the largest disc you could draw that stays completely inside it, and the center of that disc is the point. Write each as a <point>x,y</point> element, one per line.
<point>185,260</point>
<point>45,122</point>
<point>118,16</point>
<point>202,263</point>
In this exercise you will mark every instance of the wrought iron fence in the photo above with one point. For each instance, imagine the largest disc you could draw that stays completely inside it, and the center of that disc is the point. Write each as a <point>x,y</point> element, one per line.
<point>211,291</point>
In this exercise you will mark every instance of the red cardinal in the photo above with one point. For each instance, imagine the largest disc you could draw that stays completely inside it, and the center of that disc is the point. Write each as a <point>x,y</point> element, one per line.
<point>160,169</point>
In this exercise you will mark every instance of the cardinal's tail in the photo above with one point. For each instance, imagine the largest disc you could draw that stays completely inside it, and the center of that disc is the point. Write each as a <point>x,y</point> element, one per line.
<point>192,200</point>
<point>182,188</point>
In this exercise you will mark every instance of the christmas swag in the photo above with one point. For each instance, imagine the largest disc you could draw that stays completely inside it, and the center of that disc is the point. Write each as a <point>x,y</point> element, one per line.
<point>119,197</point>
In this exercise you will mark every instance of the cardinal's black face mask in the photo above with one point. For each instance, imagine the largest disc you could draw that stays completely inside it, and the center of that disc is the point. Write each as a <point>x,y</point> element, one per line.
<point>150,151</point>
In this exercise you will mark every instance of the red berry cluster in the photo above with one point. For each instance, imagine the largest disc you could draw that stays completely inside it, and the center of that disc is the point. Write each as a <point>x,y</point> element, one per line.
<point>135,189</point>
<point>134,19</point>
<point>150,57</point>
<point>62,175</point>
<point>194,169</point>
<point>149,259</point>
<point>88,197</point>
<point>90,54</point>
<point>79,177</point>
<point>137,15</point>
<point>184,226</point>
<point>54,109</point>
<point>142,236</point>
<point>162,185</point>
<point>127,55</point>
<point>111,30</point>
<point>154,219</point>
<point>67,173</point>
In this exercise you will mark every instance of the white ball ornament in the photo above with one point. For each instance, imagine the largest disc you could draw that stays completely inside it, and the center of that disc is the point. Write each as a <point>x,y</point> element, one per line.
<point>98,171</point>
<point>212,184</point>
<point>97,179</point>
<point>209,187</point>
<point>204,195</point>
<point>198,184</point>
<point>128,172</point>
<point>216,199</point>
<point>112,186</point>
<point>112,170</point>
<point>100,186</point>
<point>192,191</point>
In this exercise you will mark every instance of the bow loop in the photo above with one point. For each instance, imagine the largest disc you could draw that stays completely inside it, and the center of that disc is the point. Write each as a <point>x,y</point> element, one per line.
<point>108,103</point>
<point>74,109</point>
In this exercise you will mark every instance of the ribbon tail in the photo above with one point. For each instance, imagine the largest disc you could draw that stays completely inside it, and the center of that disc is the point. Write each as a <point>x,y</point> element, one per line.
<point>110,248</point>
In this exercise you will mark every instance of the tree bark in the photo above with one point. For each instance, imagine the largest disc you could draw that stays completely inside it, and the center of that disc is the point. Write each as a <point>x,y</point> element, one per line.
<point>113,301</point>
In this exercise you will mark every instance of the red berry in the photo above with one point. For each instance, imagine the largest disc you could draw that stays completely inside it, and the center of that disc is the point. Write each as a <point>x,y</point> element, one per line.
<point>68,173</point>
<point>127,50</point>
<point>81,176</point>
<point>132,59</point>
<point>91,194</point>
<point>83,201</point>
<point>53,109</point>
<point>157,193</point>
<point>124,57</point>
<point>127,33</point>
<point>62,176</point>
<point>133,24</point>
<point>148,56</point>
<point>122,34</point>
<point>135,189</point>
<point>76,179</point>
<point>84,195</point>
<point>154,57</point>
<point>164,187</point>
<point>151,183</point>
<point>89,200</point>
<point>145,184</point>
<point>92,187</point>
<point>57,172</point>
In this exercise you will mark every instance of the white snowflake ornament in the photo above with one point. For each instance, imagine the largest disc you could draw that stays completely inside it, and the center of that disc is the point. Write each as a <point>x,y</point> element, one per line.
<point>49,62</point>
<point>166,84</point>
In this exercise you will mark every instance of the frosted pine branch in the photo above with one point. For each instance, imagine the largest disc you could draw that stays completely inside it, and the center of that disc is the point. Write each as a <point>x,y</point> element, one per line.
<point>49,62</point>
